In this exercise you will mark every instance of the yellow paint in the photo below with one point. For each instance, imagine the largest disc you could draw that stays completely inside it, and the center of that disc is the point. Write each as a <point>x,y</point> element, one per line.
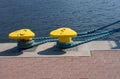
<point>23,34</point>
<point>63,34</point>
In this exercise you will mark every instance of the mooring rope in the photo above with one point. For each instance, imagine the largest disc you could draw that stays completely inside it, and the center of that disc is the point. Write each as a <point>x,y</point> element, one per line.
<point>99,28</point>
<point>67,45</point>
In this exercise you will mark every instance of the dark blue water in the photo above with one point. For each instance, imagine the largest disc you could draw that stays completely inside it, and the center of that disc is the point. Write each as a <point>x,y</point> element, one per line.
<point>42,16</point>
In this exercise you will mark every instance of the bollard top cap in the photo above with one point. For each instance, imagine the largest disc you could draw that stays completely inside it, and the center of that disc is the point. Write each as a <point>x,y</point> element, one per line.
<point>22,34</point>
<point>63,32</point>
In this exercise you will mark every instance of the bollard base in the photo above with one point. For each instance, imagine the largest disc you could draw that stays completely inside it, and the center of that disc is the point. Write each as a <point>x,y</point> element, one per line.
<point>25,44</point>
<point>64,45</point>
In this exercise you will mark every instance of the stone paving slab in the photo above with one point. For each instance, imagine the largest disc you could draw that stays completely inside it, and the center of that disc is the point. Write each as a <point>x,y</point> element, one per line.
<point>50,49</point>
<point>101,65</point>
<point>44,50</point>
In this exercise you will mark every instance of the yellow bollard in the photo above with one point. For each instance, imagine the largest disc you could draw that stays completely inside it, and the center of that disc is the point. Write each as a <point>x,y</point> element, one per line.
<point>24,37</point>
<point>64,35</point>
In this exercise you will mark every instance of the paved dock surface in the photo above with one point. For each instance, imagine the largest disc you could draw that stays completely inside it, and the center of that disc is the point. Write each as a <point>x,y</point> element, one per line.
<point>51,50</point>
<point>101,65</point>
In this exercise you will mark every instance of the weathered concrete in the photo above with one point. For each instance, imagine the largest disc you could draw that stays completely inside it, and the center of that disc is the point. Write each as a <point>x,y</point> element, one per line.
<point>50,50</point>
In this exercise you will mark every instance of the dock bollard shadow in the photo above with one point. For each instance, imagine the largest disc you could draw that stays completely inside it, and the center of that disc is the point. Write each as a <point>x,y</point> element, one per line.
<point>52,51</point>
<point>11,52</point>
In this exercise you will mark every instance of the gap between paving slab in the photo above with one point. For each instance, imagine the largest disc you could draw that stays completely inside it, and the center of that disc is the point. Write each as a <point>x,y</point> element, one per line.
<point>50,50</point>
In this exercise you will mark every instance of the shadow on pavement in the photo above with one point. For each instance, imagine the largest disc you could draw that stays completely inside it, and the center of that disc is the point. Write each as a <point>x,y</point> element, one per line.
<point>11,52</point>
<point>117,45</point>
<point>52,51</point>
